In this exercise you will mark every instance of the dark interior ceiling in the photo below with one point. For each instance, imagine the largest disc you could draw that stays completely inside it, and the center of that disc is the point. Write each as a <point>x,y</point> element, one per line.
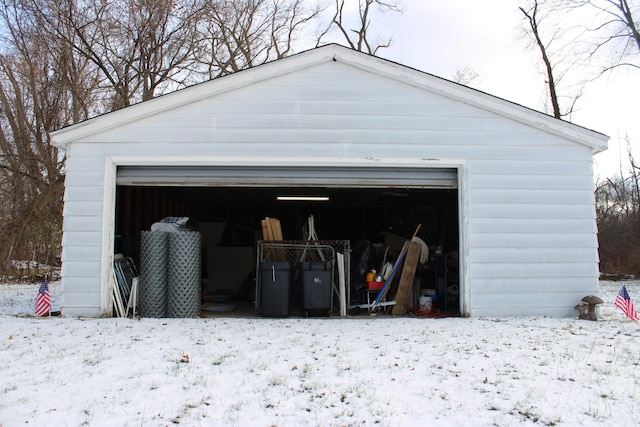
<point>353,214</point>
<point>266,196</point>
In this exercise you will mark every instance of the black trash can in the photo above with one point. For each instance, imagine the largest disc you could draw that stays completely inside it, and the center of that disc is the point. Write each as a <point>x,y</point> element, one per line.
<point>275,279</point>
<point>316,286</point>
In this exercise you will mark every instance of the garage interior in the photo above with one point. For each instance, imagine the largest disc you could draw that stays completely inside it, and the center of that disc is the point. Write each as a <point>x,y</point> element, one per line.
<point>375,220</point>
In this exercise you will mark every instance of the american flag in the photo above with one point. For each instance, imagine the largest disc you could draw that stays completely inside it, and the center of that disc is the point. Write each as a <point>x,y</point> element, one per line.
<point>623,302</point>
<point>43,300</point>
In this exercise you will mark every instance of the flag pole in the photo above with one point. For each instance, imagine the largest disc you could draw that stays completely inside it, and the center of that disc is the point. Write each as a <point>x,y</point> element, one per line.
<point>46,277</point>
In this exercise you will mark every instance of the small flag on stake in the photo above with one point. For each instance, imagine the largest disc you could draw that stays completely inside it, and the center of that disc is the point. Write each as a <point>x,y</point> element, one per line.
<point>43,300</point>
<point>623,302</point>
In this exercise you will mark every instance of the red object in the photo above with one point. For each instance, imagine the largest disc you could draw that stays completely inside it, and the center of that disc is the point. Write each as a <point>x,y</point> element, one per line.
<point>375,286</point>
<point>43,300</point>
<point>623,302</point>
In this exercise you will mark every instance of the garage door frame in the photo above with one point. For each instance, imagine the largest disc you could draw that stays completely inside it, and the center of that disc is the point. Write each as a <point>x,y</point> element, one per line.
<point>289,165</point>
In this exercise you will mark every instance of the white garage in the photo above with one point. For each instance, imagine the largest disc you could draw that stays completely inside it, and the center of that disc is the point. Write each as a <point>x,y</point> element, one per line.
<point>504,194</point>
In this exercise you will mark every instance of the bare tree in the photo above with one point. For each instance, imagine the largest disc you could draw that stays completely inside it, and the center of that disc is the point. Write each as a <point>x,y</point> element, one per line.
<point>241,34</point>
<point>622,22</point>
<point>63,61</point>
<point>534,18</point>
<point>614,30</point>
<point>36,92</point>
<point>618,216</point>
<point>138,47</point>
<point>585,37</point>
<point>465,75</point>
<point>359,38</point>
<point>168,41</point>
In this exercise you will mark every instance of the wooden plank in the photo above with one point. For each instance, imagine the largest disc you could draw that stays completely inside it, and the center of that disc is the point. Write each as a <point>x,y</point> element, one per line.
<point>404,295</point>
<point>270,230</point>
<point>277,229</point>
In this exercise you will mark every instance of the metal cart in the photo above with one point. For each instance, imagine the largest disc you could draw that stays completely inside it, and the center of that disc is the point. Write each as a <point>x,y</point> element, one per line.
<point>298,251</point>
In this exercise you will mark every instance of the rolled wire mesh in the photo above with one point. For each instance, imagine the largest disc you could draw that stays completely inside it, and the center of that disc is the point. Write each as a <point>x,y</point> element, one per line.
<point>154,254</point>
<point>183,296</point>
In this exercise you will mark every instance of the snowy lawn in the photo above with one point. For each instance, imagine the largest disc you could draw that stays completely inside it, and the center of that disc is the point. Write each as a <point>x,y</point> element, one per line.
<point>319,372</point>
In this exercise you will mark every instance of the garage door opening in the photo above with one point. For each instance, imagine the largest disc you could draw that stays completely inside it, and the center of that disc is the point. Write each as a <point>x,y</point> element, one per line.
<point>375,220</point>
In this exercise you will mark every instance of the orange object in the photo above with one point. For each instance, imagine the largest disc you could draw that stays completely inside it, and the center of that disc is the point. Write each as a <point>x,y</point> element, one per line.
<point>371,275</point>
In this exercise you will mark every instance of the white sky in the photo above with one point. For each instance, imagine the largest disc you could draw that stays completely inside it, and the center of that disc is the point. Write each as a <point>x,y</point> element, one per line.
<point>441,37</point>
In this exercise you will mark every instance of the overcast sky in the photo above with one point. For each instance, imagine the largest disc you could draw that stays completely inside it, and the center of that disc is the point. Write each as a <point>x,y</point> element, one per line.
<point>441,37</point>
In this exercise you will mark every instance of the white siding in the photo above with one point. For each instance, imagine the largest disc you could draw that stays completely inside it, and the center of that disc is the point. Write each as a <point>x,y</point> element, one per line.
<point>530,224</point>
<point>82,237</point>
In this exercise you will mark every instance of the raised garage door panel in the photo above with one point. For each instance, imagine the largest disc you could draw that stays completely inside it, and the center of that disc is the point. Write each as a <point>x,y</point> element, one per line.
<point>289,176</point>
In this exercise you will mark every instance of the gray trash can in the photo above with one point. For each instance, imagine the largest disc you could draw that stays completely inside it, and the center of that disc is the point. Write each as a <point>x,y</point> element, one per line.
<point>316,286</point>
<point>275,283</point>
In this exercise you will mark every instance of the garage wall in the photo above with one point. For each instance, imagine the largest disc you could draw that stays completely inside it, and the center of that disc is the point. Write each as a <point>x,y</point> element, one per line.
<point>83,238</point>
<point>533,236</point>
<point>529,217</point>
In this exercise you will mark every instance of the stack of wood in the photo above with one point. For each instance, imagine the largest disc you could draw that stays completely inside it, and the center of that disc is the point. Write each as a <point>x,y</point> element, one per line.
<point>272,232</point>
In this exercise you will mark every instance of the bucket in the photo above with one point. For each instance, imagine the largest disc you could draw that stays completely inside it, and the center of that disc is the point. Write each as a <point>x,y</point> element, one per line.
<point>425,303</point>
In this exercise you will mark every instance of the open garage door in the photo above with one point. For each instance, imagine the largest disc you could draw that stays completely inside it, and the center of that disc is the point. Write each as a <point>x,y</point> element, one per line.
<point>373,208</point>
<point>290,176</point>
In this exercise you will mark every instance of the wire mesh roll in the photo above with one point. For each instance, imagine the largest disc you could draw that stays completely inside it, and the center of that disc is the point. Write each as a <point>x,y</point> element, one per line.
<point>184,274</point>
<point>153,286</point>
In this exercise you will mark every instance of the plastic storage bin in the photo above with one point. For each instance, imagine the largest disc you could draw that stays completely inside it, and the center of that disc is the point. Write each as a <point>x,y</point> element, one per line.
<point>316,286</point>
<point>275,279</point>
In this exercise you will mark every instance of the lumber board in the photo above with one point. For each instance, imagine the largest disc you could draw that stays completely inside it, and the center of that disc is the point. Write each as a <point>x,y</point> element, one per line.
<point>277,235</point>
<point>266,236</point>
<point>272,232</point>
<point>404,295</point>
<point>277,229</point>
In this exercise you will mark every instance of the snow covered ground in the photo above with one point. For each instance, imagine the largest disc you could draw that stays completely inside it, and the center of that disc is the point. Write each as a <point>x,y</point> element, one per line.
<point>319,372</point>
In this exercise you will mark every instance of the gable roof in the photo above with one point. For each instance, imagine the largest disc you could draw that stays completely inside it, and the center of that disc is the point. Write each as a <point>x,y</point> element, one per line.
<point>333,52</point>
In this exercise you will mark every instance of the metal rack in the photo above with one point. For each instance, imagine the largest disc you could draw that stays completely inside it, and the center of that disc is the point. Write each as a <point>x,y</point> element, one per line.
<point>296,251</point>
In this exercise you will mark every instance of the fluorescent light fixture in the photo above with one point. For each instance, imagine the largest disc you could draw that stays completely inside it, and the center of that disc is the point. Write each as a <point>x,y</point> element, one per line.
<point>303,198</point>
